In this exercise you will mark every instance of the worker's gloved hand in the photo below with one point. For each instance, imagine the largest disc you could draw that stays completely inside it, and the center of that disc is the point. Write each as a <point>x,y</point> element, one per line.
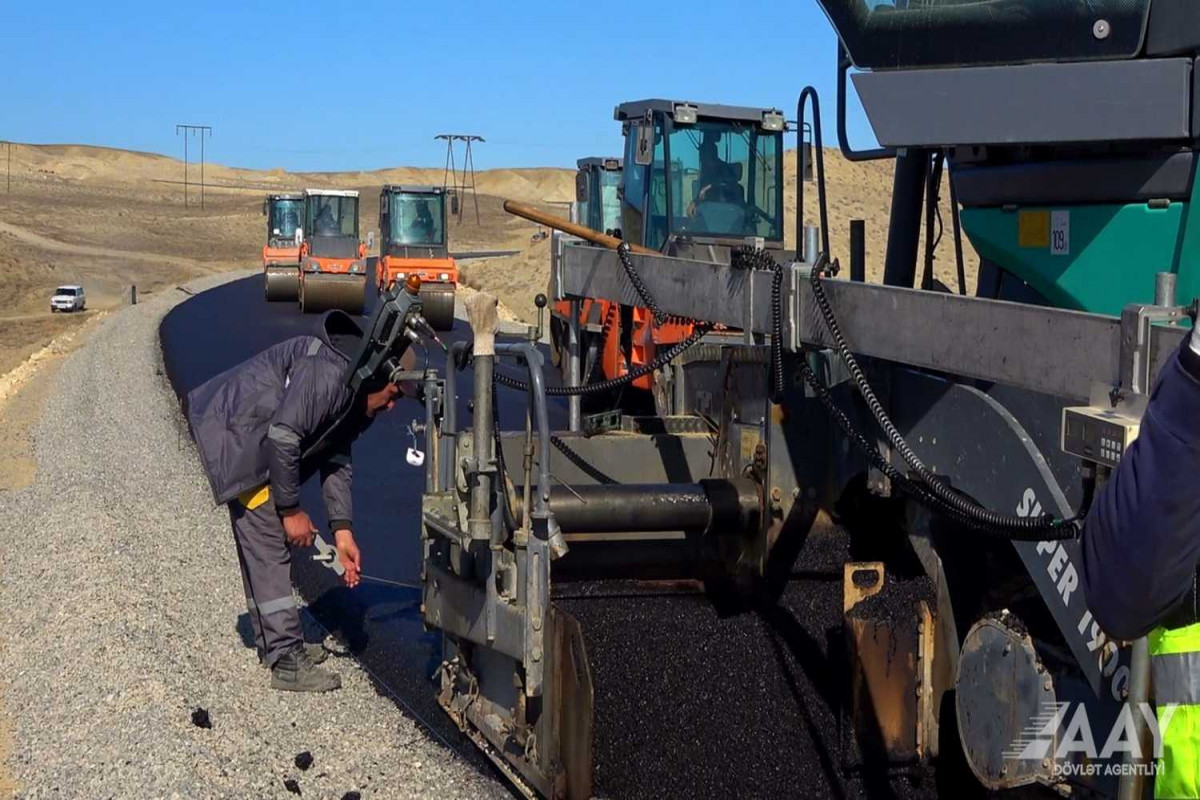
<point>347,551</point>
<point>1194,340</point>
<point>298,528</point>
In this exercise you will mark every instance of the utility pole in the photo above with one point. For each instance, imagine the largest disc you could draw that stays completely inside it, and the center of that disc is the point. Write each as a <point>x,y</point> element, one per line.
<point>192,130</point>
<point>450,177</point>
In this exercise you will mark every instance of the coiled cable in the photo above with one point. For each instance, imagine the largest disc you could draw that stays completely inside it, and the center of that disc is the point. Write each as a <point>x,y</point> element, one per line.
<point>1043,527</point>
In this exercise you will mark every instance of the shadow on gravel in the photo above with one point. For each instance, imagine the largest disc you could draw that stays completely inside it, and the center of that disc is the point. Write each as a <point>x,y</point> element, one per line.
<point>245,631</point>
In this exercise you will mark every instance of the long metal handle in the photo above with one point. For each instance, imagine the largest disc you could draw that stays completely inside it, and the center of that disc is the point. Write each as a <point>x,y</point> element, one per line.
<point>574,229</point>
<point>1132,783</point>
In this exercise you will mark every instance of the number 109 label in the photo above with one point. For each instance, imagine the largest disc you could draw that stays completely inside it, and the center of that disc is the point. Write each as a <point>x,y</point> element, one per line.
<point>1060,233</point>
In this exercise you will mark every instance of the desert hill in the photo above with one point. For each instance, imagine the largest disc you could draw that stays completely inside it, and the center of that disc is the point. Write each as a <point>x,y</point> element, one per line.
<point>109,218</point>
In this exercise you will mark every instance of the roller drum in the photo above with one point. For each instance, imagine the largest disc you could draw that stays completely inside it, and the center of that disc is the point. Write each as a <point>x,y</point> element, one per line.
<point>322,292</point>
<point>282,284</point>
<point>437,305</point>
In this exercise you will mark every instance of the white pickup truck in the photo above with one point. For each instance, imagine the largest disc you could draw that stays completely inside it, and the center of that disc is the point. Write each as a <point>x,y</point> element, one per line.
<point>68,298</point>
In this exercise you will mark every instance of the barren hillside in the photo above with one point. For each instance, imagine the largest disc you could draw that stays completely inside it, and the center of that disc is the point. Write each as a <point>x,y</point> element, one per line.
<point>110,218</point>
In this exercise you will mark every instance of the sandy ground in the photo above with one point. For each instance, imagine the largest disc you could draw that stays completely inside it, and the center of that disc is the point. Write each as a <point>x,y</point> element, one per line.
<point>109,219</point>
<point>23,392</point>
<point>8,786</point>
<point>103,609</point>
<point>23,395</point>
<point>112,218</point>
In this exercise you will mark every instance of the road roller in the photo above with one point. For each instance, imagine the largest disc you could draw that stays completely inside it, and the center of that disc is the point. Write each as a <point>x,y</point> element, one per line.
<point>333,264</point>
<point>724,189</point>
<point>412,227</point>
<point>281,253</point>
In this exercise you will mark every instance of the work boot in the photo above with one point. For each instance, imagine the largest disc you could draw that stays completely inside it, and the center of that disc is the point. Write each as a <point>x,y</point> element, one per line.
<point>316,654</point>
<point>295,672</point>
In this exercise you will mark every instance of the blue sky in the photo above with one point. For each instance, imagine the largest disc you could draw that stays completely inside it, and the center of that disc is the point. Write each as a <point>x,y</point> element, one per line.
<point>325,86</point>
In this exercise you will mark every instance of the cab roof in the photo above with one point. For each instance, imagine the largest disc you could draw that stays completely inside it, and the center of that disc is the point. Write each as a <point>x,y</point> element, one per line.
<point>636,109</point>
<point>331,192</point>
<point>408,188</point>
<point>611,164</point>
<point>292,196</point>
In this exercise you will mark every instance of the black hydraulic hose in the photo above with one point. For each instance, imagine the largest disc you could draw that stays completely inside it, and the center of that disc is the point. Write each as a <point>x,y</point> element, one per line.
<point>849,153</point>
<point>898,479</point>
<point>777,335</point>
<point>612,383</point>
<point>810,93</point>
<point>639,285</point>
<point>1035,528</point>
<point>761,260</point>
<point>958,245</point>
<point>632,375</point>
<point>605,329</point>
<point>933,213</point>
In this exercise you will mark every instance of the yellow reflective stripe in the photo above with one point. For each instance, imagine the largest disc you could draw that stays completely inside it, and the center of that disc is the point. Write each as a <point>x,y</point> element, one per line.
<point>1175,666</point>
<point>1163,641</point>
<point>1178,773</point>
<point>254,498</point>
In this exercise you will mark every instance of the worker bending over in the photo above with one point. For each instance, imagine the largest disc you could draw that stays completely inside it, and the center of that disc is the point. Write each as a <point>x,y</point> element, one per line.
<point>263,428</point>
<point>1141,545</point>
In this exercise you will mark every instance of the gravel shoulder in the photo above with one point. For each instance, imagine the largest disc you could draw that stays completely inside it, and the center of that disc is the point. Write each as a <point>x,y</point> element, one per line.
<point>119,608</point>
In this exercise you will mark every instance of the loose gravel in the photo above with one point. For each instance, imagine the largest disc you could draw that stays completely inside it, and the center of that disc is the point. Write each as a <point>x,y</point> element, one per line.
<point>119,605</point>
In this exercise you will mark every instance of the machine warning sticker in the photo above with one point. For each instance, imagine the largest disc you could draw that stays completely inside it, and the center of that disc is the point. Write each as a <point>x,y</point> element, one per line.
<point>1060,233</point>
<point>1033,229</point>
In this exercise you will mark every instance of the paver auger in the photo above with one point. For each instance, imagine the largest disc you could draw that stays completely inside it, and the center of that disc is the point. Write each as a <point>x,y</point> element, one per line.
<point>973,428</point>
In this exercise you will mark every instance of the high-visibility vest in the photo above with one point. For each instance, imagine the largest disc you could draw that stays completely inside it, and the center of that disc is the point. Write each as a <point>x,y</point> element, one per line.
<point>1175,671</point>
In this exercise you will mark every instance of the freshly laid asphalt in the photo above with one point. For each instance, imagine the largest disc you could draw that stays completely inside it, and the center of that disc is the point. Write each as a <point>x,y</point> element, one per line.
<point>688,703</point>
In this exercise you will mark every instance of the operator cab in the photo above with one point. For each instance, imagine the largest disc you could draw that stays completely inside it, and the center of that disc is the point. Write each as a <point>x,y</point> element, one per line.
<point>331,223</point>
<point>412,221</point>
<point>284,213</point>
<point>701,179</point>
<point>597,194</point>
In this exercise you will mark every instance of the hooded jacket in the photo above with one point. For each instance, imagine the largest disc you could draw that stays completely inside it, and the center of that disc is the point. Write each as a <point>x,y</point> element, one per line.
<point>281,416</point>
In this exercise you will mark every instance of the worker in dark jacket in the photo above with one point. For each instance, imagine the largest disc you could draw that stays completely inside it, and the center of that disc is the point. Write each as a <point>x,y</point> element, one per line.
<point>1141,546</point>
<point>263,428</point>
<point>1141,541</point>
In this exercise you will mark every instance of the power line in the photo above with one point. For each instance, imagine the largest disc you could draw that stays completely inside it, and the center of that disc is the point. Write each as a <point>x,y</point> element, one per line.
<point>191,130</point>
<point>450,174</point>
